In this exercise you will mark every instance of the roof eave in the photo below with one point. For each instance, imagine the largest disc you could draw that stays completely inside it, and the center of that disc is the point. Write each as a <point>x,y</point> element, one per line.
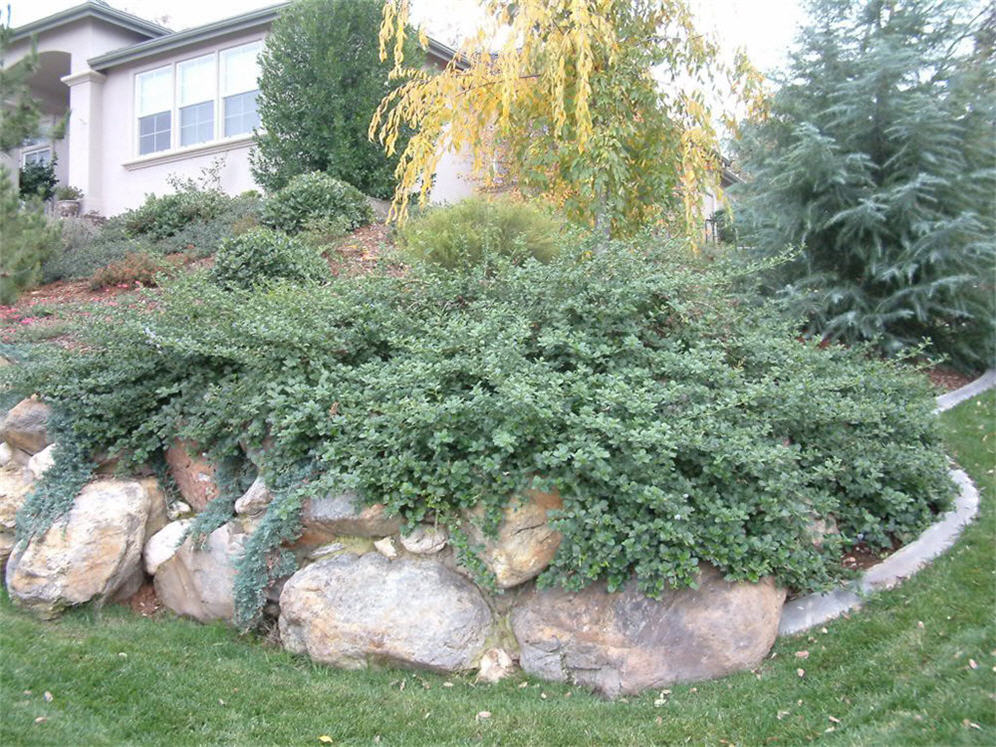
<point>91,10</point>
<point>185,38</point>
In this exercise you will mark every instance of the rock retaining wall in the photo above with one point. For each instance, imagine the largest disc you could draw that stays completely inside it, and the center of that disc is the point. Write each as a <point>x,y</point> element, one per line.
<point>367,593</point>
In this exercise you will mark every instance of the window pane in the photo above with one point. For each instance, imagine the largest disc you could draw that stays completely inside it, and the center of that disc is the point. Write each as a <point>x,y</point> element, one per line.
<point>154,91</point>
<point>153,133</point>
<point>196,78</point>
<point>197,123</point>
<point>240,113</point>
<point>240,69</point>
<point>40,157</point>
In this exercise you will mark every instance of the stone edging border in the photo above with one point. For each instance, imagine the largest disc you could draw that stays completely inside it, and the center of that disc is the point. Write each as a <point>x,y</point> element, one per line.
<point>803,613</point>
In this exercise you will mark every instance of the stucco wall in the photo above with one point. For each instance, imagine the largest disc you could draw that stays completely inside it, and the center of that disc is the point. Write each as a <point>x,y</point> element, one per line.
<point>125,176</point>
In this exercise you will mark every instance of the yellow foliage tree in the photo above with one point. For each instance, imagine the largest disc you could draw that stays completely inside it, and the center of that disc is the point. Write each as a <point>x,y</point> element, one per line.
<point>597,105</point>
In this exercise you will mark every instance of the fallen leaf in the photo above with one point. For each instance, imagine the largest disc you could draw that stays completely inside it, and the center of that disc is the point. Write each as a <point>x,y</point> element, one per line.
<point>221,702</point>
<point>801,672</point>
<point>325,738</point>
<point>781,714</point>
<point>801,654</point>
<point>40,719</point>
<point>658,720</point>
<point>919,624</point>
<point>426,716</point>
<point>447,684</point>
<point>973,663</point>
<point>971,725</point>
<point>834,720</point>
<point>482,715</point>
<point>521,685</point>
<point>47,696</point>
<point>543,696</point>
<point>122,654</point>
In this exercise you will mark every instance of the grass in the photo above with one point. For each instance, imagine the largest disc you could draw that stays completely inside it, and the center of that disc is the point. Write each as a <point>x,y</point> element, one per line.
<point>915,667</point>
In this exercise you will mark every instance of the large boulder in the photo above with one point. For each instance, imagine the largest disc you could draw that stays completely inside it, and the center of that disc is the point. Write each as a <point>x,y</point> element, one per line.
<point>525,544</point>
<point>354,610</point>
<point>192,581</point>
<point>26,426</point>
<point>325,519</point>
<point>93,553</point>
<point>15,483</point>
<point>255,500</point>
<point>42,462</point>
<point>193,473</point>
<point>622,642</point>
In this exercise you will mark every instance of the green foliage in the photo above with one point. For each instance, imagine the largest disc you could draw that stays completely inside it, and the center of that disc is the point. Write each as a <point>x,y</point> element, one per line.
<point>679,427</point>
<point>316,197</point>
<point>20,116</point>
<point>162,217</point>
<point>136,267</point>
<point>321,80</point>
<point>262,256</point>
<point>66,192</point>
<point>37,180</point>
<point>28,240</point>
<point>879,162</point>
<point>463,234</point>
<point>53,495</point>
<point>87,248</point>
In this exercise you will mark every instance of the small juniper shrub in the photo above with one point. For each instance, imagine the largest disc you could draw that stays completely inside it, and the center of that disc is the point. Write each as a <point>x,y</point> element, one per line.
<point>135,268</point>
<point>263,255</point>
<point>466,233</point>
<point>680,426</point>
<point>315,197</point>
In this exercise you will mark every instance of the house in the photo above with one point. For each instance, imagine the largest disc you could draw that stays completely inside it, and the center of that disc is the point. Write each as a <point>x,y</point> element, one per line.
<point>146,103</point>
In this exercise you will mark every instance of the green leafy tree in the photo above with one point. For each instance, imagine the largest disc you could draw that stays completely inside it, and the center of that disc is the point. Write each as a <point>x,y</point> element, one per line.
<point>321,82</point>
<point>879,163</point>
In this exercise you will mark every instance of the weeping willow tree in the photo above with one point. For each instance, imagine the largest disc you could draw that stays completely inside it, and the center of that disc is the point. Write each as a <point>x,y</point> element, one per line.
<point>600,106</point>
<point>879,163</point>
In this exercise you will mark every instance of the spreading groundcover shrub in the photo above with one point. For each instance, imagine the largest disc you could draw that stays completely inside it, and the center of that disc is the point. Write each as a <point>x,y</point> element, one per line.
<point>679,427</point>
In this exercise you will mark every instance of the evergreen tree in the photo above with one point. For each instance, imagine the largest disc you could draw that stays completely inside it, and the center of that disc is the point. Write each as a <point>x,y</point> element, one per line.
<point>20,117</point>
<point>878,163</point>
<point>320,83</point>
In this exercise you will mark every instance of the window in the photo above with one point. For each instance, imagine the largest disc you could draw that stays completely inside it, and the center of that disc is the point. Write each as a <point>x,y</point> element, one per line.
<point>196,96</point>
<point>154,103</point>
<point>39,157</point>
<point>214,97</point>
<point>239,87</point>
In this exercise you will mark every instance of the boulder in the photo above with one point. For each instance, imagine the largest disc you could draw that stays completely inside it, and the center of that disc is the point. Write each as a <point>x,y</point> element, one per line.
<point>496,665</point>
<point>355,610</point>
<point>323,520</point>
<point>41,462</point>
<point>386,548</point>
<point>26,426</point>
<point>197,583</point>
<point>6,454</point>
<point>93,553</point>
<point>525,544</point>
<point>425,539</point>
<point>163,545</point>
<point>255,500</point>
<point>15,483</point>
<point>622,642</point>
<point>193,473</point>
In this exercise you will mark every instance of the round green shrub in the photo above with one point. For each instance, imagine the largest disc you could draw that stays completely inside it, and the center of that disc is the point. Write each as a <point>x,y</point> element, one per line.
<point>316,196</point>
<point>162,217</point>
<point>466,233</point>
<point>262,255</point>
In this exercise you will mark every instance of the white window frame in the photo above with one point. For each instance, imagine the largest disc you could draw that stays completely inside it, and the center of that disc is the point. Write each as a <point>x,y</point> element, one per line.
<point>35,150</point>
<point>218,103</point>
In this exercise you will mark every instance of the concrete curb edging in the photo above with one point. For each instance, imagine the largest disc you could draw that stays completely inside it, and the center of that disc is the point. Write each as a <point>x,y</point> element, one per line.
<point>981,384</point>
<point>804,613</point>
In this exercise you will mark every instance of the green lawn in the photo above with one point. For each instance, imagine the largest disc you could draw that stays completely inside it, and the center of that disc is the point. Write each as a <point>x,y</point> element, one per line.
<point>916,667</point>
